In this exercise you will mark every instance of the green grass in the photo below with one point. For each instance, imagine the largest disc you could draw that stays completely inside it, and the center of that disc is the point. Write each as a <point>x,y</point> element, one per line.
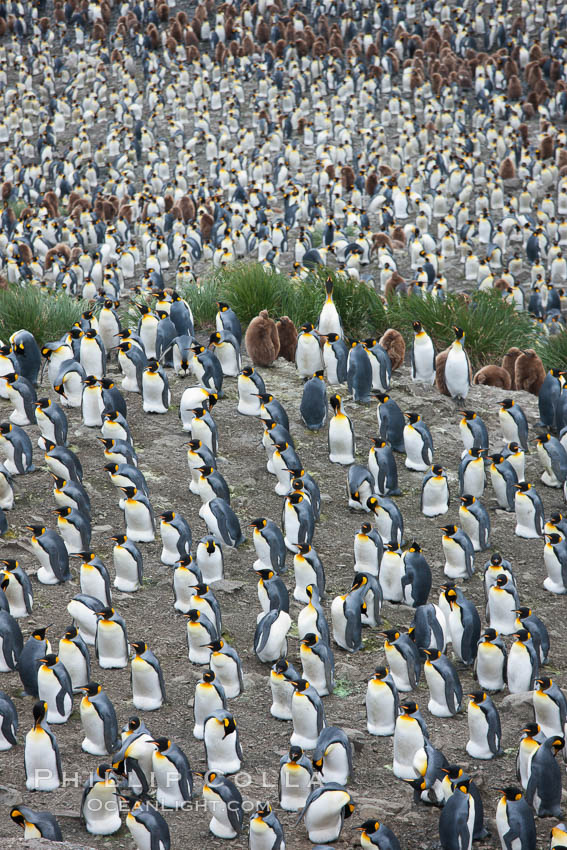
<point>202,298</point>
<point>553,350</point>
<point>491,325</point>
<point>250,288</point>
<point>45,314</point>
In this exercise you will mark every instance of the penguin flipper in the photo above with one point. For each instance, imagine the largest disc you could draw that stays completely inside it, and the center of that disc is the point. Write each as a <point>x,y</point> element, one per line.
<point>8,729</point>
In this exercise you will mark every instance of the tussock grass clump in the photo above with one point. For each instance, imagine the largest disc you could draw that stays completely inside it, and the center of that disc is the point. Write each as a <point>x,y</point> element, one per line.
<point>45,314</point>
<point>202,298</point>
<point>491,325</point>
<point>553,350</point>
<point>250,288</point>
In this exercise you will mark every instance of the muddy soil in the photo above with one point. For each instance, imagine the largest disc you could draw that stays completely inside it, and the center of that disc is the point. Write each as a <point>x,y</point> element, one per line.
<point>150,615</point>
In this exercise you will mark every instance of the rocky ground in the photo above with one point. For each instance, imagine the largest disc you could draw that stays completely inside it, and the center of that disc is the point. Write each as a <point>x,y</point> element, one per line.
<point>150,615</point>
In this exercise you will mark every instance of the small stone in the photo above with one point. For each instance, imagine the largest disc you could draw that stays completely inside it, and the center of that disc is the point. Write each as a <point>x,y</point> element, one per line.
<point>515,700</point>
<point>99,529</point>
<point>9,797</point>
<point>227,586</point>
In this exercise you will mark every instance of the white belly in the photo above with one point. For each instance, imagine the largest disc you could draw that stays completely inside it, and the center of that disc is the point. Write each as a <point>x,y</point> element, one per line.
<point>84,619</point>
<point>474,479</point>
<point>40,762</point>
<point>207,700</point>
<point>457,374</point>
<point>197,639</point>
<point>435,498</point>
<point>490,668</point>
<point>304,575</point>
<point>519,670</point>
<point>112,650</point>
<point>501,608</point>
<point>322,821</point>
<point>74,663</point>
<point>219,824</point>
<point>102,814</point>
<point>92,407</point>
<point>547,715</point>
<point>282,692</point>
<point>437,702</point>
<point>93,729</point>
<point>413,444</point>
<point>225,669</point>
<point>477,745</point>
<point>398,670</point>
<point>408,739</point>
<point>335,765</point>
<point>365,557</point>
<point>455,561</point>
<point>525,518</point>
<point>221,752</point>
<point>167,778</point>
<point>341,442</point>
<point>126,578</point>
<point>380,709</point>
<point>295,785</point>
<point>391,574</point>
<point>554,580</point>
<point>146,691</point>
<point>304,717</point>
<point>49,688</point>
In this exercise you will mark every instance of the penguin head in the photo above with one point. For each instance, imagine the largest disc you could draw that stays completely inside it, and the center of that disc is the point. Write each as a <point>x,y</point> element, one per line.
<point>531,730</point>
<point>110,415</point>
<point>18,817</point>
<point>167,516</point>
<point>365,528</point>
<point>477,697</point>
<point>409,707</point>
<point>496,458</point>
<point>558,743</point>
<point>139,647</point>
<point>103,770</point>
<point>511,794</point>
<point>307,327</point>
<point>37,530</point>
<point>301,685</point>
<point>382,397</point>
<point>390,635</point>
<point>310,639</point>
<point>215,338</point>
<point>450,530</point>
<point>133,724</point>
<point>507,403</point>
<point>553,539</point>
<point>263,810</point>
<point>71,633</point>
<point>359,581</point>
<point>432,654</point>
<point>295,498</point>
<point>39,712</point>
<point>91,689</point>
<point>468,415</point>
<point>62,512</point>
<point>223,306</point>
<point>229,724</point>
<point>85,556</point>
<point>193,615</point>
<point>295,753</point>
<point>523,612</point>
<point>107,442</point>
<point>467,500</point>
<point>247,371</point>
<point>152,365</point>
<point>332,337</point>
<point>11,378</point>
<point>544,683</point>
<point>162,744</point>
<point>43,403</point>
<point>110,467</point>
<point>417,327</point>
<point>514,448</point>
<point>501,580</point>
<point>281,665</point>
<point>50,659</point>
<point>489,635</point>
<point>379,443</point>
<point>392,546</point>
<point>380,672</point>
<point>522,635</point>
<point>106,613</point>
<point>451,595</point>
<point>259,523</point>
<point>208,676</point>
<point>201,590</point>
<point>437,470</point>
<point>119,539</point>
<point>523,487</point>
<point>91,333</point>
<point>129,492</point>
<point>412,417</point>
<point>10,565</point>
<point>464,784</point>
<point>335,402</point>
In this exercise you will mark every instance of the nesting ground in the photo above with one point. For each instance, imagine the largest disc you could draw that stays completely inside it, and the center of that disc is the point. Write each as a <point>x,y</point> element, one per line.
<point>150,615</point>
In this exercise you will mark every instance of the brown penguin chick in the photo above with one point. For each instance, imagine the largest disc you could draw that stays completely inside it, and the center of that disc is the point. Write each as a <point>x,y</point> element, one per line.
<point>546,147</point>
<point>392,284</point>
<point>514,91</point>
<point>509,363</point>
<point>493,376</point>
<point>287,334</point>
<point>381,240</point>
<point>529,372</point>
<point>440,361</point>
<point>507,170</point>
<point>393,342</point>
<point>262,340</point>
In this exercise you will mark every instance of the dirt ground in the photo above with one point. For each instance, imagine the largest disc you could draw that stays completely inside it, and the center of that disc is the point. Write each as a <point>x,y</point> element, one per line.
<point>150,614</point>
